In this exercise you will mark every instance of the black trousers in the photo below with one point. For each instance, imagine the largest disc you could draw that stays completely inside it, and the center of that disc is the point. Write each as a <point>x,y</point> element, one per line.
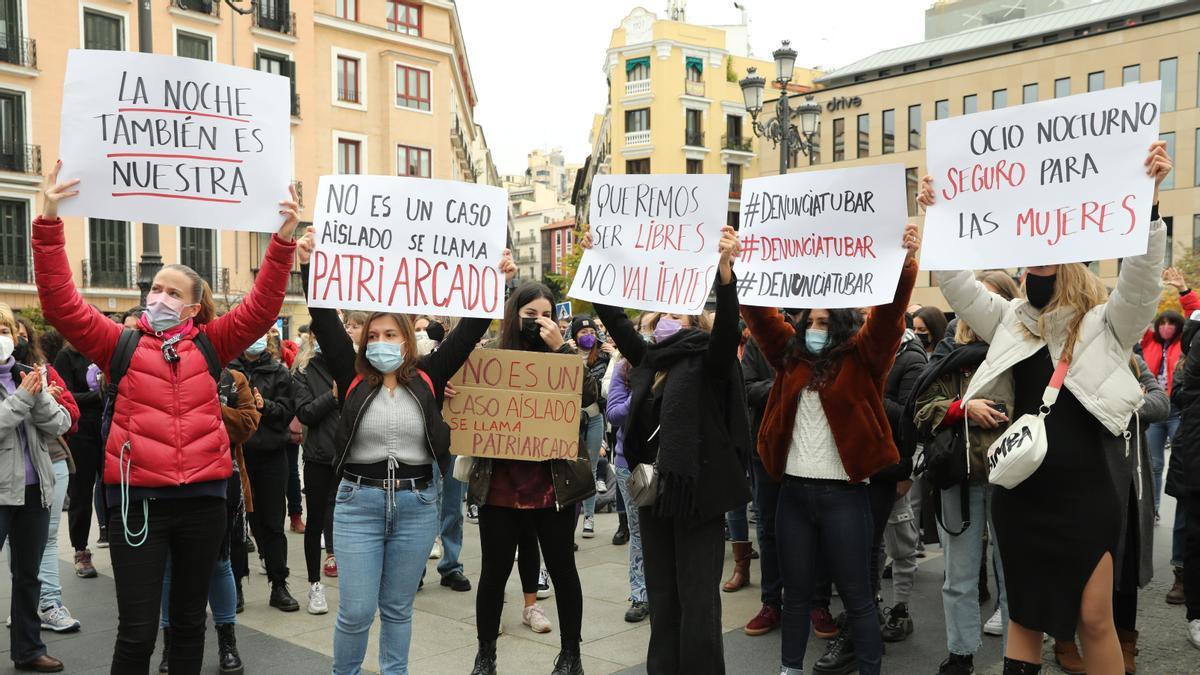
<point>500,531</point>
<point>268,486</point>
<point>320,487</point>
<point>191,530</point>
<point>1191,553</point>
<point>86,452</point>
<point>766,502</point>
<point>293,485</point>
<point>26,528</point>
<point>684,561</point>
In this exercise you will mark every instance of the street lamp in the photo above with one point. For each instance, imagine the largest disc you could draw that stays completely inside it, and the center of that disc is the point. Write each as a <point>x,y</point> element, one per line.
<point>781,131</point>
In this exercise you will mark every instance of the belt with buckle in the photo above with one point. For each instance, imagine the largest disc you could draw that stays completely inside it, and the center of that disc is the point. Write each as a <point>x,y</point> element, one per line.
<point>390,483</point>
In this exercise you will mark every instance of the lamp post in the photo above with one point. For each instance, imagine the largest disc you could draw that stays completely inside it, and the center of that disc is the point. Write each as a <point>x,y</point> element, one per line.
<point>781,131</point>
<point>151,260</point>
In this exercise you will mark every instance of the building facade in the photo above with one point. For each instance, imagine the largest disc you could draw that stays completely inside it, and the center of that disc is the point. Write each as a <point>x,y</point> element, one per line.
<point>558,240</point>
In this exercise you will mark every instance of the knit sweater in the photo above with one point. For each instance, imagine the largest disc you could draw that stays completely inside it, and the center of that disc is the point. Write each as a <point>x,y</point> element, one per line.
<point>813,453</point>
<point>392,426</point>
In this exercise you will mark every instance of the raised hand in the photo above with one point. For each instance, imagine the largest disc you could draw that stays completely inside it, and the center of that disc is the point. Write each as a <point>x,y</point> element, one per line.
<point>586,241</point>
<point>1158,164</point>
<point>729,247</point>
<point>290,209</point>
<point>925,194</point>
<point>507,266</point>
<point>1173,277</point>
<point>305,245</point>
<point>54,192</point>
<point>912,240</point>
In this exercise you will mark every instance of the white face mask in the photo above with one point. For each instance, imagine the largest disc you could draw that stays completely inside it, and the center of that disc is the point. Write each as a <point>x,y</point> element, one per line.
<point>6,347</point>
<point>422,335</point>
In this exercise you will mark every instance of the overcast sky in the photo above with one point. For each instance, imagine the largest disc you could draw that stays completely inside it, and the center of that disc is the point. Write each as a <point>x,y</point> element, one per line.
<point>538,64</point>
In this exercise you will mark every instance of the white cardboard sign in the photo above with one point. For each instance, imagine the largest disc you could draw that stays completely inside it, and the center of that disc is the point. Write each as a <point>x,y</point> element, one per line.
<point>409,245</point>
<point>655,241</point>
<point>829,239</point>
<point>175,140</point>
<point>1041,184</point>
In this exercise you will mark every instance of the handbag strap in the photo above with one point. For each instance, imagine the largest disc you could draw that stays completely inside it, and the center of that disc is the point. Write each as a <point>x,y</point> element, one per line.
<point>1050,396</point>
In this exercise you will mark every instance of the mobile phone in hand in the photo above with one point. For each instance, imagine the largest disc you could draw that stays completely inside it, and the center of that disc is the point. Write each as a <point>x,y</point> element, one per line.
<point>1000,408</point>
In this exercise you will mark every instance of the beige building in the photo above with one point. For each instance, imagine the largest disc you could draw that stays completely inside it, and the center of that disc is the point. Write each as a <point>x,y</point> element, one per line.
<point>874,111</point>
<point>380,86</point>
<point>532,205</point>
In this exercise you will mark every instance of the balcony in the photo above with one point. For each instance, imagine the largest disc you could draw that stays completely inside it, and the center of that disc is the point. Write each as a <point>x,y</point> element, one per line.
<point>295,104</point>
<point>18,274</point>
<point>109,276</point>
<point>693,138</point>
<point>693,88</point>
<point>19,51</point>
<point>458,139</point>
<point>21,158</point>
<point>637,87</point>
<point>735,188</point>
<point>275,18</point>
<point>295,283</point>
<point>736,144</point>
<point>209,7</point>
<point>633,138</point>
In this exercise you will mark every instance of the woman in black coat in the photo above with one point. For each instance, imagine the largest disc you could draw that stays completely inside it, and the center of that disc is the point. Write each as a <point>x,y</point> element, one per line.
<point>317,410</point>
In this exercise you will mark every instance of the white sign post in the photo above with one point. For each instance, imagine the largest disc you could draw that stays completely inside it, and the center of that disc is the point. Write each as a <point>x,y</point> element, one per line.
<point>175,140</point>
<point>410,245</point>
<point>1041,184</point>
<point>655,241</point>
<point>829,239</point>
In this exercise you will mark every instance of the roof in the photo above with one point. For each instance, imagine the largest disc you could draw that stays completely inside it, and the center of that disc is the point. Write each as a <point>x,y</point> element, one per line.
<point>1000,33</point>
<point>560,224</point>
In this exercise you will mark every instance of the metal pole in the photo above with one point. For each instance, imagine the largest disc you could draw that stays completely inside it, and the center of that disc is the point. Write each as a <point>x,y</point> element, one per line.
<point>151,257</point>
<point>783,117</point>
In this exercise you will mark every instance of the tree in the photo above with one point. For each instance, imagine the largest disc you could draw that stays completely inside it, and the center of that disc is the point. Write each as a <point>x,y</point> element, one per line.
<point>35,316</point>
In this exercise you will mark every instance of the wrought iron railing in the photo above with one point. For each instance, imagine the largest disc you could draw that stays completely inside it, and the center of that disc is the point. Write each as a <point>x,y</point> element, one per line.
<point>738,143</point>
<point>694,138</point>
<point>209,7</point>
<point>274,16</point>
<point>18,273</point>
<point>109,276</point>
<point>21,158</point>
<point>19,51</point>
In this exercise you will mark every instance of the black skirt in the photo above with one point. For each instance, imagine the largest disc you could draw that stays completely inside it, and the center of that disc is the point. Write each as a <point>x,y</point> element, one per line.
<point>1054,528</point>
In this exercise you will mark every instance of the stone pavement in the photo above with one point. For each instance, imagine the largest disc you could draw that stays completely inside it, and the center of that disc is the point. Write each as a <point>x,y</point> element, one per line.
<point>444,632</point>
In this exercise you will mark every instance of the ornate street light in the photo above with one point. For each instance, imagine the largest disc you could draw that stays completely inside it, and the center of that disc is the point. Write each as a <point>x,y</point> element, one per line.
<point>781,130</point>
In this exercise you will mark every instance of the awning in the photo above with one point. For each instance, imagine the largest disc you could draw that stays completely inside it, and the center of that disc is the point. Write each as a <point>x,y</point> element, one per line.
<point>630,64</point>
<point>695,62</point>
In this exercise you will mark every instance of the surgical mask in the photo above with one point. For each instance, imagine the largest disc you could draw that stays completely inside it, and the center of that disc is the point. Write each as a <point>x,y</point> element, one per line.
<point>422,335</point>
<point>816,339</point>
<point>586,341</point>
<point>1165,331</point>
<point>924,338</point>
<point>21,350</point>
<point>531,333</point>
<point>385,357</point>
<point>1039,290</point>
<point>162,311</point>
<point>666,328</point>
<point>6,347</point>
<point>259,346</point>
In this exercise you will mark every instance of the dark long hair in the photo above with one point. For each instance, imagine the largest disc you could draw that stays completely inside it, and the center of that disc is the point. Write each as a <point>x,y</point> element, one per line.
<point>934,320</point>
<point>843,326</point>
<point>35,356</point>
<point>1172,317</point>
<point>510,325</point>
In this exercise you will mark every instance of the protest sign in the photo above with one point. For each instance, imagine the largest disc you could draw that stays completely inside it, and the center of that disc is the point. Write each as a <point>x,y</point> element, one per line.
<point>410,245</point>
<point>175,140</point>
<point>826,239</point>
<point>655,241</point>
<point>1045,183</point>
<point>516,405</point>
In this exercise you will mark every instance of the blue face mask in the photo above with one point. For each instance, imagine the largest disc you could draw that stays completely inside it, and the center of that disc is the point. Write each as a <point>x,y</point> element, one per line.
<point>816,339</point>
<point>259,346</point>
<point>386,357</point>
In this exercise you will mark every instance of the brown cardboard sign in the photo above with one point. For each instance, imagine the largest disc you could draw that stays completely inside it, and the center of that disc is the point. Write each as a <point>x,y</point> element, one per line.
<point>516,405</point>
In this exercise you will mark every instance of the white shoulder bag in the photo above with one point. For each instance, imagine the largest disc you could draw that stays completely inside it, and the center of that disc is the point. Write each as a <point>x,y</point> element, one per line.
<point>1016,454</point>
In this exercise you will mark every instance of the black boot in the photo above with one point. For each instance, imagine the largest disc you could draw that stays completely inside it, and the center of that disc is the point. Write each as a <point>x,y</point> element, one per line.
<point>281,599</point>
<point>162,667</point>
<point>621,536</point>
<point>1015,667</point>
<point>228,659</point>
<point>839,656</point>
<point>568,662</point>
<point>241,599</point>
<point>485,658</point>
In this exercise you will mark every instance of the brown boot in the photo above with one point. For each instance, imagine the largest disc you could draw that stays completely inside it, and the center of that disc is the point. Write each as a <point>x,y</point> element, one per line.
<point>1068,658</point>
<point>1129,648</point>
<point>1175,596</point>
<point>741,567</point>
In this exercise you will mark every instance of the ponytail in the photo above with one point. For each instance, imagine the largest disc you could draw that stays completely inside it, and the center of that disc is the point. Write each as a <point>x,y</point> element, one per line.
<point>201,294</point>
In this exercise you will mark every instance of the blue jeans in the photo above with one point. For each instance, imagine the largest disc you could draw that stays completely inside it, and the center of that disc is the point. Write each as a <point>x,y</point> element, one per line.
<point>1156,436</point>
<point>48,574</point>
<point>451,517</point>
<point>960,592</point>
<point>637,570</point>
<point>830,520</point>
<point>381,550</point>
<point>594,436</point>
<point>739,526</point>
<point>222,594</point>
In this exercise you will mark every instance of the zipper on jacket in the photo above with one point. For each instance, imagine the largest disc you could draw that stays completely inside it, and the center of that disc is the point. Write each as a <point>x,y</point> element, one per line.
<point>178,431</point>
<point>341,460</point>
<point>424,424</point>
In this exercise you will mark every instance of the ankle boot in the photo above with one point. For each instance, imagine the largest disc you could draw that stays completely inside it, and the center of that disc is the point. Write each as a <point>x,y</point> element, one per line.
<point>1129,650</point>
<point>568,661</point>
<point>621,536</point>
<point>162,667</point>
<point>485,658</point>
<point>1015,667</point>
<point>228,660</point>
<point>741,567</point>
<point>1066,654</point>
<point>1175,596</point>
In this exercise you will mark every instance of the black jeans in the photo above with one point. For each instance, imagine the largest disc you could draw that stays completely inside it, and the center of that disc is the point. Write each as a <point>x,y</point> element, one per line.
<point>684,560</point>
<point>829,520</point>
<point>766,501</point>
<point>191,530</point>
<point>294,498</point>
<point>268,484</point>
<point>1191,553</point>
<point>500,531</point>
<point>26,528</point>
<point>320,487</point>
<point>86,452</point>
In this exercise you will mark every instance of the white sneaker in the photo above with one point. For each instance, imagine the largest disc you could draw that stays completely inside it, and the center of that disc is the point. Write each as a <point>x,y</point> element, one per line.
<point>436,553</point>
<point>58,619</point>
<point>601,486</point>
<point>316,599</point>
<point>535,618</point>
<point>589,528</point>
<point>1194,632</point>
<point>543,590</point>
<point>994,625</point>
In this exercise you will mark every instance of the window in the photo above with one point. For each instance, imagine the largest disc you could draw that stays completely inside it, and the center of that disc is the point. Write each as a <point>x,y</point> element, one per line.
<point>889,131</point>
<point>1096,81</point>
<point>412,161</point>
<point>1168,72</point>
<point>733,219</point>
<point>108,253</point>
<point>735,180</point>
<point>347,79</point>
<point>1131,74</point>
<point>970,104</point>
<point>14,241</point>
<point>839,139</point>
<point>274,15</point>
<point>1196,232</point>
<point>693,133</point>
<point>999,99</point>
<point>733,133</point>
<point>349,153</point>
<point>694,68</point>
<point>279,64</point>
<point>193,46</point>
<point>637,69</point>
<point>346,9</point>
<point>914,127</point>
<point>14,155</point>
<point>1168,182</point>
<point>196,247</point>
<point>695,166</point>
<point>911,187</point>
<point>864,136</point>
<point>637,120</point>
<point>102,31</point>
<point>404,18</point>
<point>1062,87</point>
<point>412,88</point>
<point>941,109</point>
<point>1029,93</point>
<point>633,166</point>
<point>1196,160</point>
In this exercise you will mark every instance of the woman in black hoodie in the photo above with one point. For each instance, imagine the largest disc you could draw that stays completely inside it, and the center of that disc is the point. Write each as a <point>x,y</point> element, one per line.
<point>687,416</point>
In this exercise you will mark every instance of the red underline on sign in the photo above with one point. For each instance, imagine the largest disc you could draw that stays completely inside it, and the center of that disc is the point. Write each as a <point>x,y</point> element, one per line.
<point>183,112</point>
<point>166,156</point>
<point>196,199</point>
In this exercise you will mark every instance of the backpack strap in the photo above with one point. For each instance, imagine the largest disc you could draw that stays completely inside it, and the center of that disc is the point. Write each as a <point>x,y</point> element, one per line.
<point>353,383</point>
<point>118,365</point>
<point>210,355</point>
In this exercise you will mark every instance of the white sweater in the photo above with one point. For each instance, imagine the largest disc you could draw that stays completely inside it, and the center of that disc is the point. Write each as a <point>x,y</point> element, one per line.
<point>813,453</point>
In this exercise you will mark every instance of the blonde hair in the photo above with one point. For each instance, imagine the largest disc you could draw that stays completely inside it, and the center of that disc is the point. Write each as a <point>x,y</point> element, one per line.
<point>7,318</point>
<point>308,350</point>
<point>1078,290</point>
<point>1005,288</point>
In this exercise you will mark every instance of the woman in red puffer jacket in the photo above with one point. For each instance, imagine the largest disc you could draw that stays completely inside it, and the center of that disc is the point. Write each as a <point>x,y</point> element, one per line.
<point>166,459</point>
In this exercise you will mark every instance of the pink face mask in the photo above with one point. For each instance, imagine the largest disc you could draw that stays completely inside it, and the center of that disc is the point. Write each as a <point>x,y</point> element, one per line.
<point>1166,331</point>
<point>162,311</point>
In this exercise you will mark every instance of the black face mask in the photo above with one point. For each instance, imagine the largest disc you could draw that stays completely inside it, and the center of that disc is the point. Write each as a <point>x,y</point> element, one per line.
<point>1039,290</point>
<point>924,338</point>
<point>531,333</point>
<point>21,350</point>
